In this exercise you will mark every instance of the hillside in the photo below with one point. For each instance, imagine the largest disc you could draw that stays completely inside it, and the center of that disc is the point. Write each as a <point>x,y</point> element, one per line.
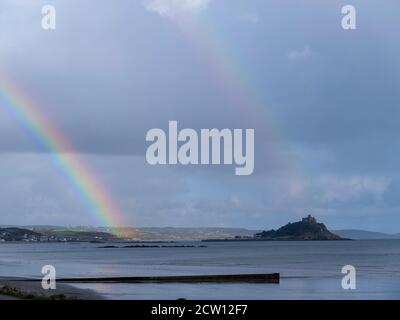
<point>179,234</point>
<point>18,234</point>
<point>13,234</point>
<point>306,229</point>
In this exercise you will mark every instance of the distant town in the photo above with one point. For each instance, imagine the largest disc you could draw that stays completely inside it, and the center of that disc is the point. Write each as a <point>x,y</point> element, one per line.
<point>13,234</point>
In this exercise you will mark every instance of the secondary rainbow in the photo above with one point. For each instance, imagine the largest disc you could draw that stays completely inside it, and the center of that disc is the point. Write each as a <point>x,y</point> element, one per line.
<point>39,127</point>
<point>230,72</point>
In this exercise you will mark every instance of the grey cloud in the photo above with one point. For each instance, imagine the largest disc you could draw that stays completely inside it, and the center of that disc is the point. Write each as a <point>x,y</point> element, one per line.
<point>106,76</point>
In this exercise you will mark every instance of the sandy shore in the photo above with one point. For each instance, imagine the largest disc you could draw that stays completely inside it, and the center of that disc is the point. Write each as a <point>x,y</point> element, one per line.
<point>18,288</point>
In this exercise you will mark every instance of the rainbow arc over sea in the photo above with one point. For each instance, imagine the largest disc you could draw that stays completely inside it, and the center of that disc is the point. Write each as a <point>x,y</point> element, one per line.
<point>206,37</point>
<point>227,70</point>
<point>15,103</point>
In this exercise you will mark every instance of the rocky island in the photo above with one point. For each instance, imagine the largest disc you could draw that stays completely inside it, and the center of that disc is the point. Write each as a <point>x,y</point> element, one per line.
<point>306,229</point>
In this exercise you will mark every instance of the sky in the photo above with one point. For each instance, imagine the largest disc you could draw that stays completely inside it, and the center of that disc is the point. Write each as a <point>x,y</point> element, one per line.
<point>324,103</point>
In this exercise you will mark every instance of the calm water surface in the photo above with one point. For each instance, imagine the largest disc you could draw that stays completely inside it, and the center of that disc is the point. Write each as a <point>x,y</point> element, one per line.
<point>309,270</point>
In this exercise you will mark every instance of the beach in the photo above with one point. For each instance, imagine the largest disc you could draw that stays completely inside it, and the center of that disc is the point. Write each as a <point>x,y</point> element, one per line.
<point>19,288</point>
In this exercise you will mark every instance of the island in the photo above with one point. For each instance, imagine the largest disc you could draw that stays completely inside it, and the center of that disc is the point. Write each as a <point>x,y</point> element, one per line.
<point>305,230</point>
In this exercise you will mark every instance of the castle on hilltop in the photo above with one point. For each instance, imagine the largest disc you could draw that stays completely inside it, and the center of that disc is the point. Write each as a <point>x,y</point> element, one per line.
<point>309,219</point>
<point>306,229</point>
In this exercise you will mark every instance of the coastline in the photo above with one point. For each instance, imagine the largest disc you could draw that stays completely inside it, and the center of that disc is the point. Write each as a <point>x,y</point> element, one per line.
<point>271,240</point>
<point>26,289</point>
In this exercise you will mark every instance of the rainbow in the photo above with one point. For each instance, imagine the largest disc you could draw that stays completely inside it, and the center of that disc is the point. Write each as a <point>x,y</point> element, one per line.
<point>231,75</point>
<point>42,130</point>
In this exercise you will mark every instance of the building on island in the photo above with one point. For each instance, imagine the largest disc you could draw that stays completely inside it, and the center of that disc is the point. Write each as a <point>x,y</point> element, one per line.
<point>309,219</point>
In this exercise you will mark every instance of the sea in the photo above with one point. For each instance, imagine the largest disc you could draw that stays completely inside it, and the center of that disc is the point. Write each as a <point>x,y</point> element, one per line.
<point>309,270</point>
